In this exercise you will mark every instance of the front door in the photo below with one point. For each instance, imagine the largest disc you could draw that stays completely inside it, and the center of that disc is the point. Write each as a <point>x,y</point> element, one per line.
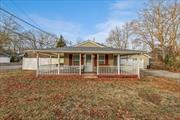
<point>88,63</point>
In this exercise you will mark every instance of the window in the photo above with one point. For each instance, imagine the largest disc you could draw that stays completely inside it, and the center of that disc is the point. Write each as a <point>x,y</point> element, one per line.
<point>75,60</point>
<point>61,60</point>
<point>101,59</point>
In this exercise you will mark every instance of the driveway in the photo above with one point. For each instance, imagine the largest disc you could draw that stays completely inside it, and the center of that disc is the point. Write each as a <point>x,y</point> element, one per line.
<point>7,67</point>
<point>160,73</point>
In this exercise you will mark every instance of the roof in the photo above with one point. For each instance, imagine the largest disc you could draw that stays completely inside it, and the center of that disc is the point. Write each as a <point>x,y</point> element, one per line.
<point>3,55</point>
<point>88,50</point>
<point>88,47</point>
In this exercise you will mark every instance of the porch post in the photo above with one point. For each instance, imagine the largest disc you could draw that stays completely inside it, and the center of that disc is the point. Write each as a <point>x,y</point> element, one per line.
<point>50,62</point>
<point>79,63</point>
<point>118,65</point>
<point>58,64</point>
<point>138,71</point>
<point>37,70</point>
<point>97,64</point>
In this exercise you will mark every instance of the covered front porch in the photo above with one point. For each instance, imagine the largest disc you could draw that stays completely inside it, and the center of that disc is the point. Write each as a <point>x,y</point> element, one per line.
<point>99,64</point>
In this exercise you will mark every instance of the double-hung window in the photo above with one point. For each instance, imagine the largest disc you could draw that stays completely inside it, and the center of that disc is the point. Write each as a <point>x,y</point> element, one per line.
<point>101,59</point>
<point>75,59</point>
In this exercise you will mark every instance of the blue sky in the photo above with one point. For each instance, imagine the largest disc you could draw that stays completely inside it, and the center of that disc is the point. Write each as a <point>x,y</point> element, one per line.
<point>76,19</point>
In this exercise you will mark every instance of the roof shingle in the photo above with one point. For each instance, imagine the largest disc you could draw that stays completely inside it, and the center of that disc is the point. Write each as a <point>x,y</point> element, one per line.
<point>88,50</point>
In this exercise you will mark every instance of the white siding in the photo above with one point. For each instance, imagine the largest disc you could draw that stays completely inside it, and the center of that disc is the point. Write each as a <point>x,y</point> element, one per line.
<point>4,60</point>
<point>131,62</point>
<point>31,63</point>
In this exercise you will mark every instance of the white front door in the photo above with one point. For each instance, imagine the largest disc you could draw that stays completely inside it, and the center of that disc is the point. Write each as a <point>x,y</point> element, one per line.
<point>88,63</point>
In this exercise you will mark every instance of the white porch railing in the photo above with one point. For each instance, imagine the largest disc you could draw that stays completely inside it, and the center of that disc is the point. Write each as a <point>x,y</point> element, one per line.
<point>53,69</point>
<point>123,70</point>
<point>108,70</point>
<point>129,70</point>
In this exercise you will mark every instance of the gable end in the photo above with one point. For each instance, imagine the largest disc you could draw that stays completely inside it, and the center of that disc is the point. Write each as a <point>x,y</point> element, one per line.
<point>89,44</point>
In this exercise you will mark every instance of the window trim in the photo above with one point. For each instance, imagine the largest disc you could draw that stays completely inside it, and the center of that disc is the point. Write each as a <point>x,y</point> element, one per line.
<point>75,59</point>
<point>102,60</point>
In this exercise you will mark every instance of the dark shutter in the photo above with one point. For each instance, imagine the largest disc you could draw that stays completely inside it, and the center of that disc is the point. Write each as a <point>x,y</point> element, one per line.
<point>95,59</point>
<point>106,59</point>
<point>82,59</point>
<point>70,59</point>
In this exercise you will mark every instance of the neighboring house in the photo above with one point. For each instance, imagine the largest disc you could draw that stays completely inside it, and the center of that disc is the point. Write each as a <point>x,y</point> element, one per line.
<point>86,57</point>
<point>4,58</point>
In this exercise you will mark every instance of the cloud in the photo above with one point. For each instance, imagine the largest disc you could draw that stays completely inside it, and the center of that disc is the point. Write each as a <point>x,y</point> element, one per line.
<point>68,29</point>
<point>120,12</point>
<point>116,11</point>
<point>103,30</point>
<point>121,5</point>
<point>108,24</point>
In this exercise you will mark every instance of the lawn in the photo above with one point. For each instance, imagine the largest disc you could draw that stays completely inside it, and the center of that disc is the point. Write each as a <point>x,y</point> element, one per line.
<point>22,96</point>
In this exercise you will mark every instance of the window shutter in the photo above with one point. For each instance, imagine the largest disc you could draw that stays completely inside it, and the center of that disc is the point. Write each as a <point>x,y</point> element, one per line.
<point>106,59</point>
<point>82,59</point>
<point>95,59</point>
<point>70,59</point>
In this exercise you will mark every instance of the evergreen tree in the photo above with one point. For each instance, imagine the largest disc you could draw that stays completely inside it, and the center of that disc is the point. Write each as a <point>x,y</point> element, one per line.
<point>61,42</point>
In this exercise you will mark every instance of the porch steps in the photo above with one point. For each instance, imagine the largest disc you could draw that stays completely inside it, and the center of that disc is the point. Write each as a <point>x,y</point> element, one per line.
<point>89,76</point>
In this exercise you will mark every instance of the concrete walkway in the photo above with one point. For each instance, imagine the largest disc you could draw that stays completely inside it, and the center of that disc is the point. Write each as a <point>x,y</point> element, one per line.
<point>160,73</point>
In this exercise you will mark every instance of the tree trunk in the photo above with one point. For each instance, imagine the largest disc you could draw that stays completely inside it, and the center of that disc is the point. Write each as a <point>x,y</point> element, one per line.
<point>163,53</point>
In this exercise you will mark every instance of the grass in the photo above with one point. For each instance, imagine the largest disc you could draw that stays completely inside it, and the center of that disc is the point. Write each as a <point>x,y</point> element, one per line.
<point>22,96</point>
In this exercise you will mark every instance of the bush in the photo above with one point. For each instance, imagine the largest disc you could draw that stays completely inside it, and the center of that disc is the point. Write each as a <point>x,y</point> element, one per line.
<point>14,59</point>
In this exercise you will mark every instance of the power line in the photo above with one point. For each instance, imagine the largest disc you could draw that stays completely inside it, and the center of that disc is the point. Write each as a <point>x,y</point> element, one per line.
<point>25,22</point>
<point>8,18</point>
<point>20,34</point>
<point>22,11</point>
<point>11,10</point>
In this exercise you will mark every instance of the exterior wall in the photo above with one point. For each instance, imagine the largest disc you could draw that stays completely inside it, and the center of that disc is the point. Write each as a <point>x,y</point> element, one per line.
<point>111,59</point>
<point>4,60</point>
<point>66,59</point>
<point>142,57</point>
<point>31,63</point>
<point>88,44</point>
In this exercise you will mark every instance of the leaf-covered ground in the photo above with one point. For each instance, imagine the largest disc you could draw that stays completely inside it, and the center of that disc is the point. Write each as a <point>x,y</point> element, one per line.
<point>22,96</point>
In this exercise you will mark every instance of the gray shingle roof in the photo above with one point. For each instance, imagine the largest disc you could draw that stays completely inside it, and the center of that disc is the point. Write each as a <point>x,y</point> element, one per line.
<point>88,50</point>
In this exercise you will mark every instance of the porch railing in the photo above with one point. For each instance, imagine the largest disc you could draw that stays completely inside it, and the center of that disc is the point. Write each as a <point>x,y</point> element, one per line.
<point>123,70</point>
<point>129,70</point>
<point>108,70</point>
<point>48,69</point>
<point>53,69</point>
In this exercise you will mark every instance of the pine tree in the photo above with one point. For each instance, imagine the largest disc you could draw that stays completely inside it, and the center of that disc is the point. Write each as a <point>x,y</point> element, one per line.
<point>61,42</point>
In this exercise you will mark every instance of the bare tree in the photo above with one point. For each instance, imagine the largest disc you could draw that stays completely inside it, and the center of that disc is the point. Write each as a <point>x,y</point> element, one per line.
<point>159,24</point>
<point>143,35</point>
<point>38,40</point>
<point>119,36</point>
<point>9,27</point>
<point>158,27</point>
